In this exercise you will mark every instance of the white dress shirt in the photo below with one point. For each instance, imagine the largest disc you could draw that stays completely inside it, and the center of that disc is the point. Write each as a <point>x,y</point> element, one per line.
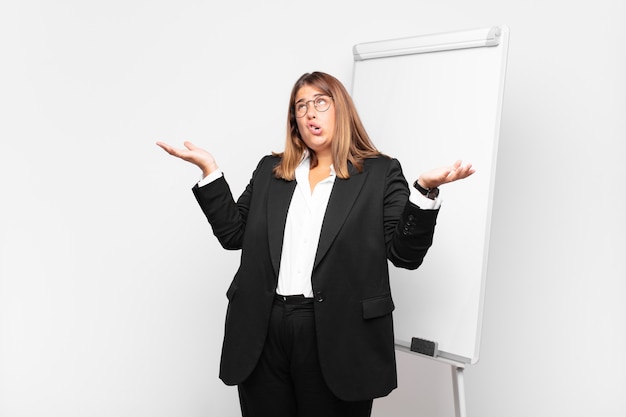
<point>304,225</point>
<point>302,231</point>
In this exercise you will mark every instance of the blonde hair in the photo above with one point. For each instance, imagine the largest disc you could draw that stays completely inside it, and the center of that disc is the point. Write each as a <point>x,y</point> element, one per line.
<point>350,144</point>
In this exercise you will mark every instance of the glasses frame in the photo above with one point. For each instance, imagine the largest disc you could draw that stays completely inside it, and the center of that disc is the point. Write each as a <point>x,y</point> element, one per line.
<point>314,101</point>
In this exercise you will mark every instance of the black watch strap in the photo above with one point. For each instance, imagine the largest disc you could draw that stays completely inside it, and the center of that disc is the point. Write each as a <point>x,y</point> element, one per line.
<point>431,193</point>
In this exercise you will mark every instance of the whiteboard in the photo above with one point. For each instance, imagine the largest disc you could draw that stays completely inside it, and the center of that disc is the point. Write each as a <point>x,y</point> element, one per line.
<point>428,101</point>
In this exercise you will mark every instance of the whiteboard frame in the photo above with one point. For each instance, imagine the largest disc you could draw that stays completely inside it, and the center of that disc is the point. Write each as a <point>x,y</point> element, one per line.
<point>448,41</point>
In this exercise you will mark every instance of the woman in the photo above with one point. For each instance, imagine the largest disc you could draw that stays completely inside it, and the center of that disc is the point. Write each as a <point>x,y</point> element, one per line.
<point>309,323</point>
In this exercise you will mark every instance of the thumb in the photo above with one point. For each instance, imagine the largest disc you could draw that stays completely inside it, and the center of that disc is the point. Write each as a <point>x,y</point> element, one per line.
<point>189,145</point>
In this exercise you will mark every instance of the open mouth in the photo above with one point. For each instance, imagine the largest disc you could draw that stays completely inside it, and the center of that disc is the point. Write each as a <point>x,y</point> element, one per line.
<point>315,129</point>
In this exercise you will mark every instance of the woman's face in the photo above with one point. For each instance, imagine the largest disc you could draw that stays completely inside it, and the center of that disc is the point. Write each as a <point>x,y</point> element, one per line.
<point>316,127</point>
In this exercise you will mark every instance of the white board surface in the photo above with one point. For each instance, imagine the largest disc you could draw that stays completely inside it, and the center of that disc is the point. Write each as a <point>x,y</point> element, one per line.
<point>428,101</point>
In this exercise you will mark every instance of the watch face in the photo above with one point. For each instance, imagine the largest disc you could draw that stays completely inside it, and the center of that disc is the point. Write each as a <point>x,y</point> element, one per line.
<point>432,194</point>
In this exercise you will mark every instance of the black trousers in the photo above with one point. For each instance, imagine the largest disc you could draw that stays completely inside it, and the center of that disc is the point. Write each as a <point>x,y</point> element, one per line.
<point>288,381</point>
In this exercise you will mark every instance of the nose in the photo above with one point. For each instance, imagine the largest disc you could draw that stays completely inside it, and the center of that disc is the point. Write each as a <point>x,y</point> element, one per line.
<point>311,111</point>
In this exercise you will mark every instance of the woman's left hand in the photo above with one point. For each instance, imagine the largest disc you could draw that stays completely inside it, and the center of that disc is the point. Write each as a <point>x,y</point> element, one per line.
<point>443,175</point>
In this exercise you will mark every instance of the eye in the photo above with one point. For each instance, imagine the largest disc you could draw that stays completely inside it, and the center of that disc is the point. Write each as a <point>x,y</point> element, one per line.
<point>321,101</point>
<point>300,107</point>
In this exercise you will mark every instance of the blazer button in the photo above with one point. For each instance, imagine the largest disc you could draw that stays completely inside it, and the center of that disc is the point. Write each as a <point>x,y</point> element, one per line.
<point>319,297</point>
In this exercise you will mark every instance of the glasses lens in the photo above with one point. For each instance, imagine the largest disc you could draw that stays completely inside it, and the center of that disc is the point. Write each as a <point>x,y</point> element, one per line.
<point>301,108</point>
<point>322,103</point>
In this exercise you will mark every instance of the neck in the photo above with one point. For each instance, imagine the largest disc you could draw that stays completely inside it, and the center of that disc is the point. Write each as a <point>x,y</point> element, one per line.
<point>324,160</point>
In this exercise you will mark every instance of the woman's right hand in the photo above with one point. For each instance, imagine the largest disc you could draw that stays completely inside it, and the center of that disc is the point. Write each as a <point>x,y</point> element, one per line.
<point>191,153</point>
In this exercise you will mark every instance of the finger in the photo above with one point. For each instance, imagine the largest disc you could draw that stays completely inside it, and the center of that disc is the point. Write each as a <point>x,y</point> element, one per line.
<point>467,170</point>
<point>463,172</point>
<point>167,148</point>
<point>179,153</point>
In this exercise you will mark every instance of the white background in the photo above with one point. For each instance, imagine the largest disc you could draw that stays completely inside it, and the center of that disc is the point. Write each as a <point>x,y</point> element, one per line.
<point>111,284</point>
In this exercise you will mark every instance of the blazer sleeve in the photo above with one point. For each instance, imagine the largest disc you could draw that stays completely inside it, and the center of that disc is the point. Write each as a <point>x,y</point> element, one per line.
<point>227,217</point>
<point>409,230</point>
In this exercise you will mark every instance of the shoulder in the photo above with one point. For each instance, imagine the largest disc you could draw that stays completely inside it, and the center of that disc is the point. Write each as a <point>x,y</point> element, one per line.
<point>270,159</point>
<point>382,163</point>
<point>384,171</point>
<point>267,163</point>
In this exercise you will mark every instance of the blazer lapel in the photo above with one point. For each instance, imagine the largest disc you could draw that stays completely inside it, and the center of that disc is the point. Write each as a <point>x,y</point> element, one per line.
<point>278,201</point>
<point>342,198</point>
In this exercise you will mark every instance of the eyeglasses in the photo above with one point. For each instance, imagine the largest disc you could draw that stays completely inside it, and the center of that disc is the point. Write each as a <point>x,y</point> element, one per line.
<point>321,103</point>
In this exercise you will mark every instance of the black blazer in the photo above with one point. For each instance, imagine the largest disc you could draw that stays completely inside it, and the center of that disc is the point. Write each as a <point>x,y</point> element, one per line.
<point>369,220</point>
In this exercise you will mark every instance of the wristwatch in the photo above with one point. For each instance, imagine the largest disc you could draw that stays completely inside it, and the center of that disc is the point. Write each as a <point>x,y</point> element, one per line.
<point>431,193</point>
